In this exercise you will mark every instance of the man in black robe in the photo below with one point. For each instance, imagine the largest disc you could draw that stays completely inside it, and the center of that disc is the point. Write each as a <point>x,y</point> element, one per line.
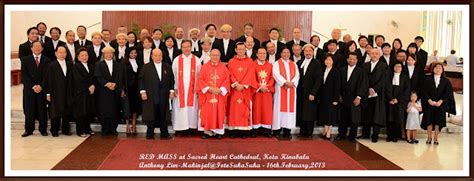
<point>225,45</point>
<point>362,51</point>
<point>95,50</point>
<point>308,86</point>
<point>57,91</point>
<point>33,71</point>
<point>156,83</point>
<point>54,43</point>
<point>110,82</point>
<point>25,48</point>
<point>274,35</point>
<point>422,54</point>
<point>375,109</point>
<point>82,41</point>
<point>296,40</point>
<point>336,35</point>
<point>354,86</point>
<point>337,54</point>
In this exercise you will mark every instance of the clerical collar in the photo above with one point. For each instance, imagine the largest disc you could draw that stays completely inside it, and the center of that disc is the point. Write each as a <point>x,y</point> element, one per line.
<point>260,62</point>
<point>284,60</point>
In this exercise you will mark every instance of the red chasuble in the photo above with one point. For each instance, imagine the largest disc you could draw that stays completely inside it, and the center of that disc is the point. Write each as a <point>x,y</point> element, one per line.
<point>263,101</point>
<point>241,71</point>
<point>284,91</point>
<point>191,82</point>
<point>213,107</point>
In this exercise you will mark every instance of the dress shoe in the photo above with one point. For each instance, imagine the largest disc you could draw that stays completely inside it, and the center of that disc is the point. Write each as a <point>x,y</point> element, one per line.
<point>44,134</point>
<point>352,140</point>
<point>374,140</point>
<point>205,136</point>
<point>55,134</point>
<point>26,134</point>
<point>150,137</point>
<point>416,141</point>
<point>165,136</point>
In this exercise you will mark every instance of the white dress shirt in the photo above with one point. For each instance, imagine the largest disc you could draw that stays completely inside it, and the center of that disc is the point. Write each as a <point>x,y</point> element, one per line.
<point>436,79</point>
<point>249,52</point>
<point>326,72</point>
<point>275,42</point>
<point>131,45</point>
<point>170,53</point>
<point>411,69</point>
<point>296,59</point>
<point>110,65</point>
<point>85,66</point>
<point>396,79</point>
<point>362,51</point>
<point>146,55</point>
<point>97,50</point>
<point>62,63</point>
<point>272,58</point>
<point>315,52</point>
<point>305,64</point>
<point>158,69</point>
<point>350,69</point>
<point>205,57</point>
<point>178,42</point>
<point>134,64</point>
<point>55,44</point>
<point>387,58</point>
<point>373,64</point>
<point>226,45</point>
<point>72,50</point>
<point>195,45</point>
<point>121,51</point>
<point>106,43</point>
<point>157,43</point>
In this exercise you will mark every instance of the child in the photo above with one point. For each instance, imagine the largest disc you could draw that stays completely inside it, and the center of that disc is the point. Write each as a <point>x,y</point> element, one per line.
<point>413,118</point>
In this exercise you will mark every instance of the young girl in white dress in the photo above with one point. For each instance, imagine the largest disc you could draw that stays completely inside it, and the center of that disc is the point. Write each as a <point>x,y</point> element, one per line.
<point>413,118</point>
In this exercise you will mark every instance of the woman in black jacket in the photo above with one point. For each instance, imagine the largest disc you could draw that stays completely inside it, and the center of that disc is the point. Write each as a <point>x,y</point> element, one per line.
<point>329,96</point>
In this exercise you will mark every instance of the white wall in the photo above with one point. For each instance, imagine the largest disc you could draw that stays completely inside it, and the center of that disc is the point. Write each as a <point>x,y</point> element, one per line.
<point>369,22</point>
<point>22,20</point>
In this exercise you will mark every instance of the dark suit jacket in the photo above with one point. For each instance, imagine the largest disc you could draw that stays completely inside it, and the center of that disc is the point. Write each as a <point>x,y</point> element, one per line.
<point>157,88</point>
<point>256,42</point>
<point>166,58</point>
<point>141,57</point>
<point>93,58</point>
<point>58,86</point>
<point>361,58</point>
<point>162,45</point>
<point>68,54</point>
<point>225,56</point>
<point>76,43</point>
<point>390,62</point>
<point>24,49</point>
<point>49,49</point>
<point>341,44</point>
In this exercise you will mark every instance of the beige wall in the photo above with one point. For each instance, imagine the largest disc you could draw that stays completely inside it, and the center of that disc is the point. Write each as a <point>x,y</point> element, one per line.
<point>369,22</point>
<point>22,20</point>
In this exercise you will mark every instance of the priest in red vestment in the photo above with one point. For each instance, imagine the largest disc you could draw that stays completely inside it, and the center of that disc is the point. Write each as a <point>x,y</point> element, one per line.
<point>243,85</point>
<point>263,98</point>
<point>213,87</point>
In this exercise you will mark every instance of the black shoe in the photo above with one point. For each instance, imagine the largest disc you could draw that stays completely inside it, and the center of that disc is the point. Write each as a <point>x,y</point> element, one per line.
<point>44,134</point>
<point>268,135</point>
<point>415,141</point>
<point>165,136</point>
<point>436,143</point>
<point>55,134</point>
<point>253,135</point>
<point>388,139</point>
<point>205,136</point>
<point>287,136</point>
<point>428,141</point>
<point>219,136</point>
<point>363,137</point>
<point>243,136</point>
<point>352,140</point>
<point>375,140</point>
<point>26,134</point>
<point>395,140</point>
<point>410,141</point>
<point>150,137</point>
<point>67,134</point>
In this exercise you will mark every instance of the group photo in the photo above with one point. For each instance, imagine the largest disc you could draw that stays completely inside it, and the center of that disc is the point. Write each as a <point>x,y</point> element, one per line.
<point>293,88</point>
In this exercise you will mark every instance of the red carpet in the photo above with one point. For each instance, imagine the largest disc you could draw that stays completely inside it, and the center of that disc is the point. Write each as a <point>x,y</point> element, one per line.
<point>227,154</point>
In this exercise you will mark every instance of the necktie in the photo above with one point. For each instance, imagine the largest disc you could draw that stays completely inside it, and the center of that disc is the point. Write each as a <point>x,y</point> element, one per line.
<point>36,61</point>
<point>42,39</point>
<point>82,43</point>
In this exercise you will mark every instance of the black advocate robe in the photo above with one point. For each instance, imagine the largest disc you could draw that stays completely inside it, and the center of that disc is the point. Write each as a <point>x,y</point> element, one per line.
<point>93,58</point>
<point>166,57</point>
<point>444,91</point>
<point>83,101</point>
<point>357,85</point>
<point>86,43</point>
<point>131,87</point>
<point>58,86</point>
<point>401,92</point>
<point>157,89</point>
<point>290,46</point>
<point>329,93</point>
<point>279,46</point>
<point>378,81</point>
<point>108,101</point>
<point>24,49</point>
<point>225,56</point>
<point>361,58</point>
<point>309,83</point>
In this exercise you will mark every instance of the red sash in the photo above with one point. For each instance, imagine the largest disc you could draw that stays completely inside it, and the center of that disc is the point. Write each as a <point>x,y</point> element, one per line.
<point>191,83</point>
<point>284,91</point>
